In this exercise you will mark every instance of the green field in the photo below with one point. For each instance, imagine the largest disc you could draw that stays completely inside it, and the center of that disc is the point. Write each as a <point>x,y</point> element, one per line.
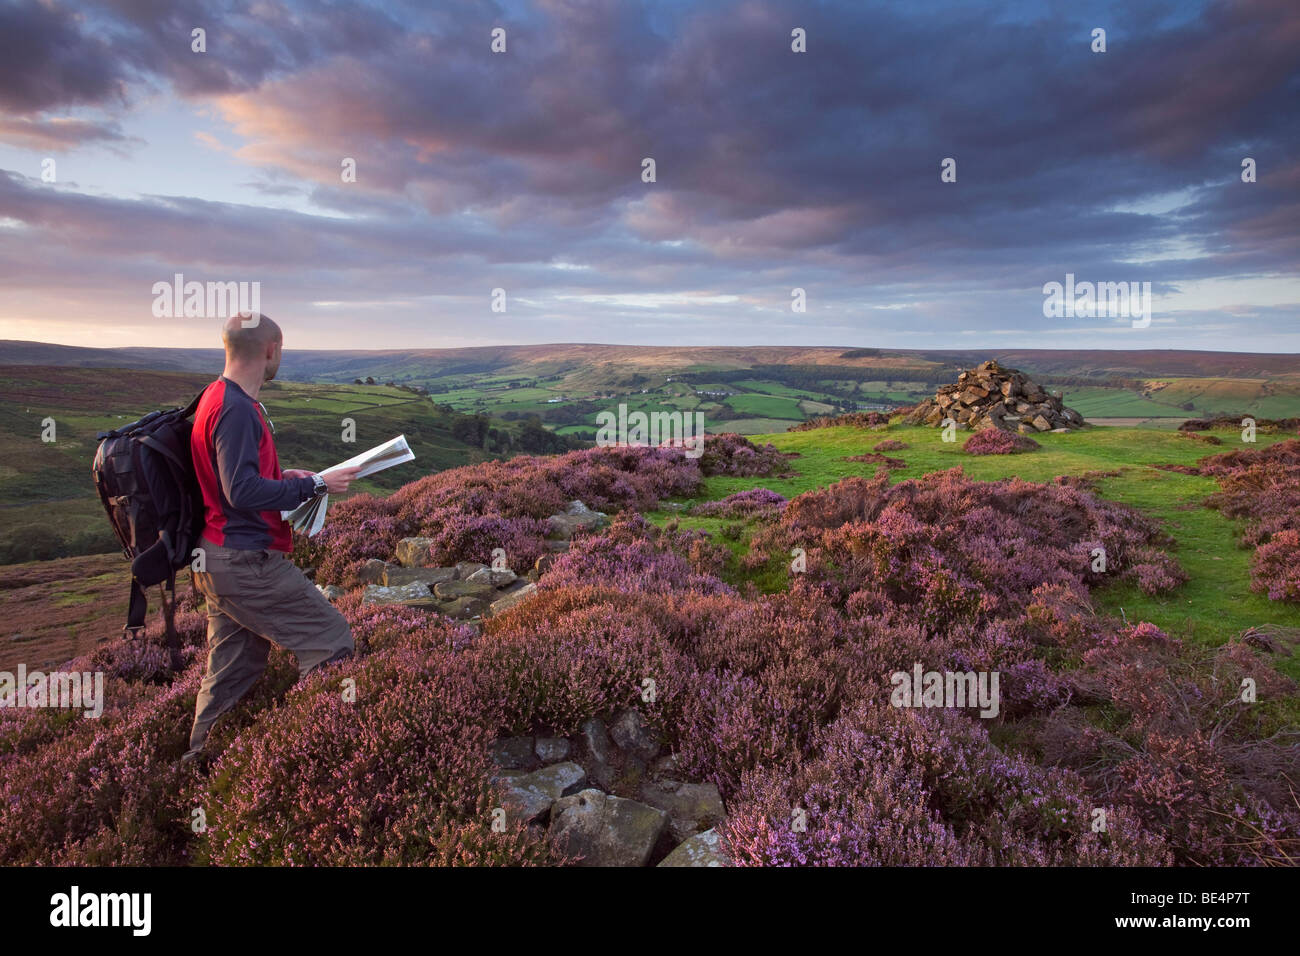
<point>1213,605</point>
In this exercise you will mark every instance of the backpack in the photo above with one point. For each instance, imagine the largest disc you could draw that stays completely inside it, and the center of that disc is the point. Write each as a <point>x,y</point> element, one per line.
<point>144,473</point>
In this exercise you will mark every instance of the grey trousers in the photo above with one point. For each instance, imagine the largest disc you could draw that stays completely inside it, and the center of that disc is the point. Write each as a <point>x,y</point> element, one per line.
<point>254,599</point>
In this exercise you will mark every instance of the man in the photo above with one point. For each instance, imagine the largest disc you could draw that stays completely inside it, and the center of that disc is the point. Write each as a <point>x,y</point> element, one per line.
<point>255,595</point>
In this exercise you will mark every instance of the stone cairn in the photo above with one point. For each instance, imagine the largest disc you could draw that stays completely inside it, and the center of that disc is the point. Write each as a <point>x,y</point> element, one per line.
<point>1005,398</point>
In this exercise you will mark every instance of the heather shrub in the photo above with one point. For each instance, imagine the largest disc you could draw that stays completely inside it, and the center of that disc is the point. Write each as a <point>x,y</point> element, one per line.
<point>632,556</point>
<point>109,791</point>
<point>1179,748</point>
<point>945,549</point>
<point>735,455</point>
<point>473,509</point>
<point>995,441</point>
<point>890,444</point>
<point>899,786</point>
<point>751,503</point>
<point>1263,487</point>
<point>1276,566</point>
<point>572,654</point>
<point>378,627</point>
<point>398,775</point>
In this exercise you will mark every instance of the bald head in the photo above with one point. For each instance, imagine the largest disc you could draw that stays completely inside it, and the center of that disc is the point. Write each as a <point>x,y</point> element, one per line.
<point>246,336</point>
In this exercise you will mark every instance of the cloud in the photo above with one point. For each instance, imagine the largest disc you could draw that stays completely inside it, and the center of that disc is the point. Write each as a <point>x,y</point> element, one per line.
<point>774,169</point>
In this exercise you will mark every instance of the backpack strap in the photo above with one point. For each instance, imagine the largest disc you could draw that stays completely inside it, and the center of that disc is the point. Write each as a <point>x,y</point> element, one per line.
<point>136,609</point>
<point>193,406</point>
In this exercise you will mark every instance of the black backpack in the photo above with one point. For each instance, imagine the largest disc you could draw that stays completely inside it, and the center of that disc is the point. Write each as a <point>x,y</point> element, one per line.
<point>144,473</point>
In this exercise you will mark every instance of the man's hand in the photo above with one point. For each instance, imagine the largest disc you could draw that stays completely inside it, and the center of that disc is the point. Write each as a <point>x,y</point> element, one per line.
<point>337,481</point>
<point>296,473</point>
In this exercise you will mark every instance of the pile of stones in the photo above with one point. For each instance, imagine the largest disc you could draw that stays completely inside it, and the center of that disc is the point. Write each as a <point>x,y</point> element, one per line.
<point>1005,398</point>
<point>609,798</point>
<point>470,589</point>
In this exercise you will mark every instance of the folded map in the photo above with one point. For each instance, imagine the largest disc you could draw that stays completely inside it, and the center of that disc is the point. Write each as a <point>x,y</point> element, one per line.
<point>309,516</point>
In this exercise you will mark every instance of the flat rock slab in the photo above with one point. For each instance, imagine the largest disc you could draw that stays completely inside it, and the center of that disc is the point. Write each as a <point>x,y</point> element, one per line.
<point>458,589</point>
<point>395,576</point>
<point>703,849</point>
<point>414,594</point>
<point>606,830</point>
<point>498,579</point>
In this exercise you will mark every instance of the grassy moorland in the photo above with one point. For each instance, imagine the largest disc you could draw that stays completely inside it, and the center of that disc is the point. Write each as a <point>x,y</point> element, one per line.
<point>780,699</point>
<point>1215,604</point>
<point>48,505</point>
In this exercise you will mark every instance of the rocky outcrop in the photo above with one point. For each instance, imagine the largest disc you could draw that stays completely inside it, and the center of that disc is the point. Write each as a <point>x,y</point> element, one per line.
<point>1005,398</point>
<point>467,591</point>
<point>605,800</point>
<point>470,590</point>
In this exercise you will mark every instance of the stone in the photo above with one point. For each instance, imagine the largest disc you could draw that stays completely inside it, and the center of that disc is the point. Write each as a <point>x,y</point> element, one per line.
<point>498,579</point>
<point>552,749</point>
<point>664,766</point>
<point>331,592</point>
<point>465,568</point>
<point>414,594</point>
<point>513,753</point>
<point>633,735</point>
<point>459,589</point>
<point>542,565</point>
<point>511,599</point>
<point>1042,424</point>
<point>577,517</point>
<point>413,552</point>
<point>396,576</point>
<point>599,751</point>
<point>530,796</point>
<point>691,807</point>
<point>372,572</point>
<point>606,830</point>
<point>463,608</point>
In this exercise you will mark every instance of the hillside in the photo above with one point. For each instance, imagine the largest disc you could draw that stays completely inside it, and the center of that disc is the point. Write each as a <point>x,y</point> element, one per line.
<point>1119,681</point>
<point>752,390</point>
<point>48,503</point>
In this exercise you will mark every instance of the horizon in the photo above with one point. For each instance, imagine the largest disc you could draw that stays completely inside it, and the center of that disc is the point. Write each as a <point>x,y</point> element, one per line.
<point>645,345</point>
<point>381,170</point>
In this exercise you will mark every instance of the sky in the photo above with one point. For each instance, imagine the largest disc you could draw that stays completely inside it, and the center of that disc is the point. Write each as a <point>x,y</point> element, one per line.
<point>127,157</point>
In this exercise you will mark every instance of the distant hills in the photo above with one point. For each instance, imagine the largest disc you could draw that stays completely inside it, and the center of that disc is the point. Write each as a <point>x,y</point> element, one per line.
<point>592,365</point>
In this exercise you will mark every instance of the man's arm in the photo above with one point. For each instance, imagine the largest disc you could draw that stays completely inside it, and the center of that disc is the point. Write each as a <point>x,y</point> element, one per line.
<point>235,440</point>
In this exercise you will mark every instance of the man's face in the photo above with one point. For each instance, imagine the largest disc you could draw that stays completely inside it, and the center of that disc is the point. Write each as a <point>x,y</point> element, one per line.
<point>273,361</point>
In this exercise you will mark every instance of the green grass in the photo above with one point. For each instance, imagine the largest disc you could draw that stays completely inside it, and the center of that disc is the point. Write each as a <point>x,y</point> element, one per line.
<point>1213,605</point>
<point>747,426</point>
<point>754,405</point>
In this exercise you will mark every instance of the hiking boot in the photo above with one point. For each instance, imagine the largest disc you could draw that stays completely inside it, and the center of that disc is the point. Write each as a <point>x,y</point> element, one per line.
<point>199,759</point>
